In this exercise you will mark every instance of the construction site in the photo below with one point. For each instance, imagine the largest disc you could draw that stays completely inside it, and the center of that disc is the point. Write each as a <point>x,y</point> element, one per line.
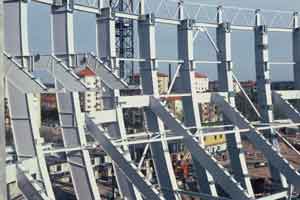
<point>146,100</point>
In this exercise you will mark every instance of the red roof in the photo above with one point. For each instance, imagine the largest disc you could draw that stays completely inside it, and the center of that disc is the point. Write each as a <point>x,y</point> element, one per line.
<point>86,72</point>
<point>172,98</point>
<point>200,75</point>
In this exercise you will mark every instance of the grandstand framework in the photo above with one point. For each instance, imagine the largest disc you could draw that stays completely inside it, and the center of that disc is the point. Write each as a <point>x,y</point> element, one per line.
<point>19,84</point>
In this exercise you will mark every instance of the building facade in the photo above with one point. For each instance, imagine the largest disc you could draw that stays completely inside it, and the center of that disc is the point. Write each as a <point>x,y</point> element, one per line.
<point>91,100</point>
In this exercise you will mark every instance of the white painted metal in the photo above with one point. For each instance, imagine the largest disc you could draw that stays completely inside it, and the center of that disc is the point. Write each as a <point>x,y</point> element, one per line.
<point>263,85</point>
<point>225,78</point>
<point>106,47</point>
<point>20,81</point>
<point>261,143</point>
<point>219,173</point>
<point>128,169</point>
<point>149,81</point>
<point>191,112</point>
<point>68,105</point>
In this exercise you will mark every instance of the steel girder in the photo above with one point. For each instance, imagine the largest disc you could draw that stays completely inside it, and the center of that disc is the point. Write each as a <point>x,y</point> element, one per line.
<point>126,167</point>
<point>226,84</point>
<point>23,113</point>
<point>71,122</point>
<point>64,75</point>
<point>190,106</point>
<point>263,85</point>
<point>25,129</point>
<point>261,143</point>
<point>109,75</point>
<point>296,52</point>
<point>30,187</point>
<point>219,173</point>
<point>70,116</point>
<point>149,81</point>
<point>288,109</point>
<point>106,75</point>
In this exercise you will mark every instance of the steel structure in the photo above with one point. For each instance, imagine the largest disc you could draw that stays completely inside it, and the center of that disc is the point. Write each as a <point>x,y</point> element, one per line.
<point>107,126</point>
<point>124,36</point>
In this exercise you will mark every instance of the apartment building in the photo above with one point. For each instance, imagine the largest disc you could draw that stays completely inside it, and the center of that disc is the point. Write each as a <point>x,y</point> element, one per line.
<point>90,100</point>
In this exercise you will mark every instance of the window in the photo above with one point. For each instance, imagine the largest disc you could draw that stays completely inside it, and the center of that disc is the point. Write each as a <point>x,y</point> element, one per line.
<point>216,137</point>
<point>58,168</point>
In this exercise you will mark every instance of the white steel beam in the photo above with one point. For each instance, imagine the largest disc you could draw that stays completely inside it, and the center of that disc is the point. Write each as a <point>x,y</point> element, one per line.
<point>128,169</point>
<point>72,122</point>
<point>23,113</point>
<point>66,76</point>
<point>225,81</point>
<point>263,85</point>
<point>289,94</point>
<point>25,126</point>
<point>109,75</point>
<point>286,108</point>
<point>16,29</point>
<point>110,79</point>
<point>30,187</point>
<point>149,81</point>
<point>190,105</point>
<point>68,105</point>
<point>21,78</point>
<point>3,188</point>
<point>219,173</point>
<point>261,143</point>
<point>296,52</point>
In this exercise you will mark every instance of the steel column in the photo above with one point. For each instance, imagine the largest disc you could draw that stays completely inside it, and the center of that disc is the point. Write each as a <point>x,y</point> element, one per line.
<point>263,85</point>
<point>25,129</point>
<point>296,52</point>
<point>225,84</point>
<point>126,167</point>
<point>16,30</point>
<point>70,116</point>
<point>106,38</point>
<point>148,71</point>
<point>261,143</point>
<point>220,174</point>
<point>190,106</point>
<point>3,189</point>
<point>23,113</point>
<point>106,48</point>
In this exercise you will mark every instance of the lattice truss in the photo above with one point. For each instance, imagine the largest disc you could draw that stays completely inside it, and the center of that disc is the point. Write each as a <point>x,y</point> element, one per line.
<point>107,126</point>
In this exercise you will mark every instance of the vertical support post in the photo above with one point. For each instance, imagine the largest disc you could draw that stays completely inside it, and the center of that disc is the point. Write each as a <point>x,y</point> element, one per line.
<point>106,49</point>
<point>3,188</point>
<point>225,82</point>
<point>296,50</point>
<point>219,14</point>
<point>16,30</point>
<point>180,10</point>
<point>142,7</point>
<point>23,115</point>
<point>190,106</point>
<point>148,70</point>
<point>106,38</point>
<point>264,93</point>
<point>70,116</point>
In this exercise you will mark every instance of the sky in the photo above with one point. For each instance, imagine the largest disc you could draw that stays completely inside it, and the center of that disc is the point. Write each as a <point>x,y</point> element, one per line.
<point>242,42</point>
